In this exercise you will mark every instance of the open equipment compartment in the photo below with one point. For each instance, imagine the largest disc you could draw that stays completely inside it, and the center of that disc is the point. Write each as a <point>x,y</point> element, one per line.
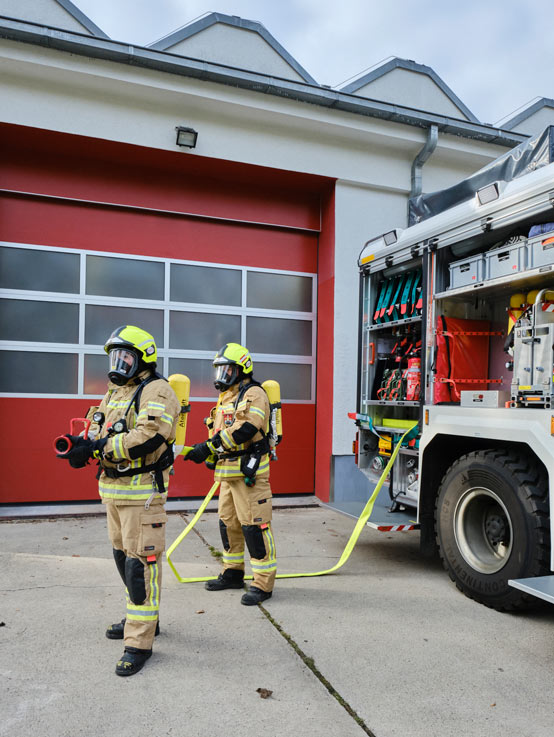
<point>390,394</point>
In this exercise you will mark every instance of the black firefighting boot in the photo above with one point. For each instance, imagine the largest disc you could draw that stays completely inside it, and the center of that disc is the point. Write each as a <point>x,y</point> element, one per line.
<point>231,578</point>
<point>115,631</point>
<point>132,660</point>
<point>255,595</point>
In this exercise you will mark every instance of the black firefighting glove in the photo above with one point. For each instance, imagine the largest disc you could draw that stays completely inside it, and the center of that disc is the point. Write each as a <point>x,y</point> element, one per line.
<point>82,449</point>
<point>200,451</point>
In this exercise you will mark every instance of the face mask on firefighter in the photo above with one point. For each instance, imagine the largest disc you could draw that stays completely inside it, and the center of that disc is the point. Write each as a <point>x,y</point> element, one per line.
<point>123,365</point>
<point>225,375</point>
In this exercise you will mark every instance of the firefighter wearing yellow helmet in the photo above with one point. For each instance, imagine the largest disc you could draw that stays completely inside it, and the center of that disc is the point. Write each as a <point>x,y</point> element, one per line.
<point>134,429</point>
<point>238,438</point>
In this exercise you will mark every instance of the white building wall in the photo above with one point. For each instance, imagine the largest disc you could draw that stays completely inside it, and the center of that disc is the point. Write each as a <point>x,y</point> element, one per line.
<point>411,89</point>
<point>536,123</point>
<point>371,159</point>
<point>48,13</point>
<point>361,212</point>
<point>236,47</point>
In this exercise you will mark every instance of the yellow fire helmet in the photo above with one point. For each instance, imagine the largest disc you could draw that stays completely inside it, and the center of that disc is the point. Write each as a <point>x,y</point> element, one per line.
<point>129,348</point>
<point>230,363</point>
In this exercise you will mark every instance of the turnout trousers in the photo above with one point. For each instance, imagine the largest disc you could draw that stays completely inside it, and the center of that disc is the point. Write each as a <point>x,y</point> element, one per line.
<point>245,516</point>
<point>138,540</point>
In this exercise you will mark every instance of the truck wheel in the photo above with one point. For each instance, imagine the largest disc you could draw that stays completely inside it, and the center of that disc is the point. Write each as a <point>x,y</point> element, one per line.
<point>492,525</point>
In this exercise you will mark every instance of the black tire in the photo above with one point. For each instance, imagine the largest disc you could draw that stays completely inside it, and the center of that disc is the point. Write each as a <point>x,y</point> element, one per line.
<point>492,525</point>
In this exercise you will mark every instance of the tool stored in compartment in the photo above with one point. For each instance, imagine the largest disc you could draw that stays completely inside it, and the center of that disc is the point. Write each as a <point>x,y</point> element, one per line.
<point>533,351</point>
<point>399,298</point>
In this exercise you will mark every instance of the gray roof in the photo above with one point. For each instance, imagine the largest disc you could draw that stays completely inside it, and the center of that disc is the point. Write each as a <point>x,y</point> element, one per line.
<point>123,53</point>
<point>82,18</point>
<point>528,112</point>
<point>181,34</point>
<point>411,66</point>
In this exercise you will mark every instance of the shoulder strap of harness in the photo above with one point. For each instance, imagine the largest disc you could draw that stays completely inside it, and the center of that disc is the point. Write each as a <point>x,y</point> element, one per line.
<point>135,399</point>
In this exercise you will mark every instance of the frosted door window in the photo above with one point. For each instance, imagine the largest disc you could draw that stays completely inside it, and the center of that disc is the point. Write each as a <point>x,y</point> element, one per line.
<point>295,379</point>
<point>125,277</point>
<point>100,322</point>
<point>198,331</point>
<point>39,271</point>
<point>39,322</point>
<point>205,285</point>
<point>279,292</point>
<point>200,373</point>
<point>38,373</point>
<point>273,335</point>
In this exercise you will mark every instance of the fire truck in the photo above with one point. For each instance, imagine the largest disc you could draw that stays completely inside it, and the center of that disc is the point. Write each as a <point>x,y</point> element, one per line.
<point>457,342</point>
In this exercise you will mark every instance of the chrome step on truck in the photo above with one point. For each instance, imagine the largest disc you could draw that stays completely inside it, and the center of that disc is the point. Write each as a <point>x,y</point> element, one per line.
<point>542,587</point>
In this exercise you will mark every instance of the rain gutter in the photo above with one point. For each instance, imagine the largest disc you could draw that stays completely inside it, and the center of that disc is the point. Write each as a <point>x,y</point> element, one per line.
<point>116,51</point>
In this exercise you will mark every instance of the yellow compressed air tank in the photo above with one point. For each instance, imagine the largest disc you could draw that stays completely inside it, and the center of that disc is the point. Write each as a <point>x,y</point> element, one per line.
<point>275,431</point>
<point>518,303</point>
<point>181,386</point>
<point>532,296</point>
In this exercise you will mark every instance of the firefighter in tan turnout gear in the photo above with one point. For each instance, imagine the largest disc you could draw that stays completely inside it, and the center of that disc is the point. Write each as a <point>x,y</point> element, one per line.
<point>133,429</point>
<point>238,428</point>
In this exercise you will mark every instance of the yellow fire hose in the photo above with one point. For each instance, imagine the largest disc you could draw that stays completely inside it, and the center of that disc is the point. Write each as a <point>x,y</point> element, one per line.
<point>360,524</point>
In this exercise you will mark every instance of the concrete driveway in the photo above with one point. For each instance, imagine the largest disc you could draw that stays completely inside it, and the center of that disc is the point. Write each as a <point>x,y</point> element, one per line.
<point>385,647</point>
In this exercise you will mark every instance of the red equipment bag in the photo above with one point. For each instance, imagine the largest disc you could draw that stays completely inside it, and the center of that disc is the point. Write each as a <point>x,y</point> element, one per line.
<point>462,354</point>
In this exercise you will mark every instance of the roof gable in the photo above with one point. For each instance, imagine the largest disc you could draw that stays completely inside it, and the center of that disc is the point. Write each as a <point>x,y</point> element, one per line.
<point>407,83</point>
<point>57,13</point>
<point>534,118</point>
<point>235,42</point>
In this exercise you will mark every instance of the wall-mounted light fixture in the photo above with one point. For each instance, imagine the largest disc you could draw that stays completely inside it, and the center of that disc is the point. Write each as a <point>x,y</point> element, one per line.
<point>186,137</point>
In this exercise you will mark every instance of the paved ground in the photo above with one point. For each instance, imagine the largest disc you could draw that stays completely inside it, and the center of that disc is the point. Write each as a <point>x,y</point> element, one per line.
<point>401,650</point>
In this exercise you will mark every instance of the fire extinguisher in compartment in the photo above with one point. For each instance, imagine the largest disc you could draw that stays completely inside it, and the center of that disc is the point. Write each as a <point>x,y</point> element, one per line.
<point>413,379</point>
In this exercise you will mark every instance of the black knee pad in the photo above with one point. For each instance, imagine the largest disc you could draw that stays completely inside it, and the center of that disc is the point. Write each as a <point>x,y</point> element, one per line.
<point>224,535</point>
<point>120,558</point>
<point>134,578</point>
<point>254,538</point>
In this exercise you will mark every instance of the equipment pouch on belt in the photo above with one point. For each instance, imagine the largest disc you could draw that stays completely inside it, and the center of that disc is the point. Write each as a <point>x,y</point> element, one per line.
<point>250,462</point>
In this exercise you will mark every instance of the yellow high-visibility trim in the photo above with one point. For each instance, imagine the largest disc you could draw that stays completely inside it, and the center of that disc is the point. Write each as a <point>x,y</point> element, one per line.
<point>360,524</point>
<point>257,411</point>
<point>145,608</point>
<point>143,617</point>
<point>226,439</point>
<point>366,259</point>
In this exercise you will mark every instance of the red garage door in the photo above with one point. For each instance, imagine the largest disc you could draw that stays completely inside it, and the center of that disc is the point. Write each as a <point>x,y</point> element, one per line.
<point>199,252</point>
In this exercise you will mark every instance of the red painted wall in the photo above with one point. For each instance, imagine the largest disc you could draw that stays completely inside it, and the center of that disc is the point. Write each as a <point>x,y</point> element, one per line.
<point>86,168</point>
<point>34,474</point>
<point>69,225</point>
<point>53,164</point>
<point>325,341</point>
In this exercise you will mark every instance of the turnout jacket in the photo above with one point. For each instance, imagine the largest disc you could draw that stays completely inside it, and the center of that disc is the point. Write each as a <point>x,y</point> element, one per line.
<point>149,431</point>
<point>235,421</point>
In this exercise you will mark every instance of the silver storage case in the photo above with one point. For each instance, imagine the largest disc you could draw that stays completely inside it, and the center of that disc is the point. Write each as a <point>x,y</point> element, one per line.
<point>484,398</point>
<point>508,259</point>
<point>469,271</point>
<point>541,250</point>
